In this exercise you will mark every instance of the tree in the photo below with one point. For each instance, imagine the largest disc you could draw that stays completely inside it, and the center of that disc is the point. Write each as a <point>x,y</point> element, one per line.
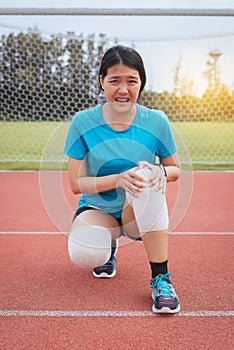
<point>49,78</point>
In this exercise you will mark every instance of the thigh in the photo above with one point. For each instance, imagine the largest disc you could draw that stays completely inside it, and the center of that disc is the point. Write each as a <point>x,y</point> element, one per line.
<point>129,222</point>
<point>95,217</point>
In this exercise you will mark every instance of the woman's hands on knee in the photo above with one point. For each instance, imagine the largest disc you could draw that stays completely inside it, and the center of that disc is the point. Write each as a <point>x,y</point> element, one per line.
<point>156,178</point>
<point>132,182</point>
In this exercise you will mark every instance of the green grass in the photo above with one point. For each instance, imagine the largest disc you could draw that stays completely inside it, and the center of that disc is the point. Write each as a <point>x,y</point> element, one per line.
<point>210,146</point>
<point>39,145</point>
<point>25,144</point>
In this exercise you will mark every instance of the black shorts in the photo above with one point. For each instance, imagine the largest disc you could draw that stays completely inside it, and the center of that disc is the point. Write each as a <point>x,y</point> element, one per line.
<point>119,220</point>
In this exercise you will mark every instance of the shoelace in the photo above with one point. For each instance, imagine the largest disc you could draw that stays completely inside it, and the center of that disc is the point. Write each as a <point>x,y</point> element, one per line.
<point>162,284</point>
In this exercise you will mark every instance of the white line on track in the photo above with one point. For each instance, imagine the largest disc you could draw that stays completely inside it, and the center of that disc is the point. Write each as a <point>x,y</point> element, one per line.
<point>66,233</point>
<point>110,313</point>
<point>202,233</point>
<point>32,233</point>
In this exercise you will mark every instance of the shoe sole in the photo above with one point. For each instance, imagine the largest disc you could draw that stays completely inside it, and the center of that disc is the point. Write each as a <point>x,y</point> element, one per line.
<point>104,274</point>
<point>166,310</point>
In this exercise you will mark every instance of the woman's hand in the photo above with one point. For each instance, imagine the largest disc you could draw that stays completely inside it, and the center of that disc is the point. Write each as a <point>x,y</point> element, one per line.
<point>157,178</point>
<point>132,182</point>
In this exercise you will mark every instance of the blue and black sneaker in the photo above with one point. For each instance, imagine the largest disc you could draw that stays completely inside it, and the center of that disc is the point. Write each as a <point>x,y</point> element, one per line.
<point>165,298</point>
<point>108,269</point>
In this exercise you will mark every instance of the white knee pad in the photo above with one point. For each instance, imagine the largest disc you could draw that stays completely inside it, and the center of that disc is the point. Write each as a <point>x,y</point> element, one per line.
<point>150,207</point>
<point>89,246</point>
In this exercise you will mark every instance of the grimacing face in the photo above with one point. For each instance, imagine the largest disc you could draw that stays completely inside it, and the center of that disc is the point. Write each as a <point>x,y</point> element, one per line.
<point>121,86</point>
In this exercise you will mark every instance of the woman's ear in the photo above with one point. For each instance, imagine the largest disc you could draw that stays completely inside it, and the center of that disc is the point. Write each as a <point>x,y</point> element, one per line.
<point>101,82</point>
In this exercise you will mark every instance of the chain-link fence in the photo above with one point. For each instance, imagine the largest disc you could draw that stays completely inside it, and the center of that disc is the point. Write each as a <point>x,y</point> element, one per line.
<point>46,79</point>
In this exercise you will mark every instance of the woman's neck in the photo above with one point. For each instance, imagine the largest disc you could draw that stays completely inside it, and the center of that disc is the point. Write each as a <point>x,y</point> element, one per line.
<point>118,120</point>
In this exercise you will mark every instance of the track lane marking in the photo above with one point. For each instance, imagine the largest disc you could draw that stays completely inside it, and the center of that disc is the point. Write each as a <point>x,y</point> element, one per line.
<point>109,313</point>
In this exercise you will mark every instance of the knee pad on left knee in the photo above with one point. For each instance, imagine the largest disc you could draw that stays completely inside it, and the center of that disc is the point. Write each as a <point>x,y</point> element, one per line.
<point>89,246</point>
<point>150,207</point>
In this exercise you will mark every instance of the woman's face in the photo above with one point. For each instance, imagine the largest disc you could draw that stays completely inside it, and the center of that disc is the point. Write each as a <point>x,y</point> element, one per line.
<point>121,86</point>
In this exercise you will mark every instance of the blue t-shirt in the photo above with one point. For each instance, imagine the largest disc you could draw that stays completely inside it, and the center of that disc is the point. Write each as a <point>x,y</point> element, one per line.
<point>110,151</point>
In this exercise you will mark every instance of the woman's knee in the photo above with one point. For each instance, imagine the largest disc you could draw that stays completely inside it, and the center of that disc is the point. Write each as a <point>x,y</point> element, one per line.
<point>150,209</point>
<point>88,245</point>
<point>90,239</point>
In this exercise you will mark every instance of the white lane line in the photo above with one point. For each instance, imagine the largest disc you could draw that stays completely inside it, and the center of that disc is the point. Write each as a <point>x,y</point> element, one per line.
<point>33,233</point>
<point>66,233</point>
<point>110,313</point>
<point>201,233</point>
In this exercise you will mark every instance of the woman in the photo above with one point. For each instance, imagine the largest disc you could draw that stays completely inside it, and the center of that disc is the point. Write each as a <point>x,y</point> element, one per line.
<point>112,150</point>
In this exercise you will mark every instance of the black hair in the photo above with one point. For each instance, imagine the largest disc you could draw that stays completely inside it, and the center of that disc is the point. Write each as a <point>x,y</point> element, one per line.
<point>123,55</point>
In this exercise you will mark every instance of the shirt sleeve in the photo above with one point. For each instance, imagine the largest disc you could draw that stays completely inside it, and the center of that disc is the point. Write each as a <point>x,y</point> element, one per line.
<point>166,143</point>
<point>75,145</point>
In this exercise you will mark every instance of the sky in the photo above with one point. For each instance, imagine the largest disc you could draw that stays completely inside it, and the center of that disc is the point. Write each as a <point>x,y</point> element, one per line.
<point>161,41</point>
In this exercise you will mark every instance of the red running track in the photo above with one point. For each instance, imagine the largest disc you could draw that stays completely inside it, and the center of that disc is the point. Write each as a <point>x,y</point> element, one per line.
<point>36,275</point>
<point>210,208</point>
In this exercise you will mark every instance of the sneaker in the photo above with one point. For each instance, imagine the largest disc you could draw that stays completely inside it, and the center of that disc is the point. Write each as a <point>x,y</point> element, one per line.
<point>165,298</point>
<point>108,269</point>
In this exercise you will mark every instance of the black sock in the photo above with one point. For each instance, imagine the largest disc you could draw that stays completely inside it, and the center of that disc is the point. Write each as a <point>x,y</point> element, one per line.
<point>158,268</point>
<point>113,246</point>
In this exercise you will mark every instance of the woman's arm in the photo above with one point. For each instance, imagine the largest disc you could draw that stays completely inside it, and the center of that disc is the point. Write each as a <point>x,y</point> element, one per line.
<point>172,167</point>
<point>81,183</point>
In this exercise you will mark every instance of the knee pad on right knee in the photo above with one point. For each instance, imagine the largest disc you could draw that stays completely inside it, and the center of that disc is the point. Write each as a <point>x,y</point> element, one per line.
<point>89,246</point>
<point>150,207</point>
